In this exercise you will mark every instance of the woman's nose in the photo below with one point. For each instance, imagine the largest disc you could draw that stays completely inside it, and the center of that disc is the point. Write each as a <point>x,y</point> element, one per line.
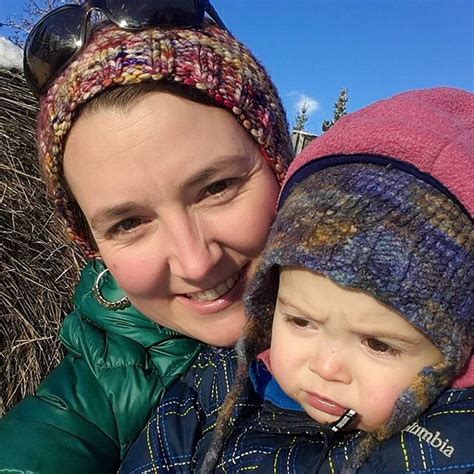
<point>193,252</point>
<point>331,363</point>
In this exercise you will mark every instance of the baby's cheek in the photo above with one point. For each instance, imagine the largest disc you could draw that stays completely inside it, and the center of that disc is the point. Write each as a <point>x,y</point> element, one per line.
<point>281,368</point>
<point>377,406</point>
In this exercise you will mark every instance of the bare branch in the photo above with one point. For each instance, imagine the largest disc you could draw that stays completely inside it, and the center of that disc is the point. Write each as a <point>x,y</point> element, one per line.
<point>32,12</point>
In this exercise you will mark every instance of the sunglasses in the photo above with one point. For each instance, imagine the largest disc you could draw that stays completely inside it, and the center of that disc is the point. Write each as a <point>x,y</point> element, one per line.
<point>60,35</point>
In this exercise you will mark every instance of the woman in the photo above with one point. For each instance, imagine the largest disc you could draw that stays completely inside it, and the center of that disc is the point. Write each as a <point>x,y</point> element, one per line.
<point>163,148</point>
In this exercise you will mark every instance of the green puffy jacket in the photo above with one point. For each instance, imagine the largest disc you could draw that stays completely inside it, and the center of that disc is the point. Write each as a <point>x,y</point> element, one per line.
<point>89,410</point>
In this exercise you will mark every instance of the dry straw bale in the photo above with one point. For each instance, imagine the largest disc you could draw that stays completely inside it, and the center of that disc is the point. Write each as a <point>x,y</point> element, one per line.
<point>37,266</point>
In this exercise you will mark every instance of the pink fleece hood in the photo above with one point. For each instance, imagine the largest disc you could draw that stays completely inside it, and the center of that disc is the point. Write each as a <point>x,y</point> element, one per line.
<point>431,129</point>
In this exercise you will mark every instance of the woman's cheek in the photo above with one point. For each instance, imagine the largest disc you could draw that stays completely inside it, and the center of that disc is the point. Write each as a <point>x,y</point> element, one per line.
<point>249,228</point>
<point>135,275</point>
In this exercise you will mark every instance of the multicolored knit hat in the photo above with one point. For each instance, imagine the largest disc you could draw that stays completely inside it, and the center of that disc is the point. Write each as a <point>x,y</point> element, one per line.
<point>365,213</point>
<point>207,59</point>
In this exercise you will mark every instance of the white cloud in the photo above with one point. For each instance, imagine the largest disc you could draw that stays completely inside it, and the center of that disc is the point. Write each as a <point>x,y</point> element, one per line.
<point>312,104</point>
<point>11,55</point>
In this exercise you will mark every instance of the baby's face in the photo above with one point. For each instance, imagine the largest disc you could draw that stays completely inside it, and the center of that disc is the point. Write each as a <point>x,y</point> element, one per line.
<point>334,348</point>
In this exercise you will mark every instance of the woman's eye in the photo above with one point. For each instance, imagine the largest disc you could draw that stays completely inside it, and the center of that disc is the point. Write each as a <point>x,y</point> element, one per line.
<point>225,188</point>
<point>127,225</point>
<point>378,346</point>
<point>218,187</point>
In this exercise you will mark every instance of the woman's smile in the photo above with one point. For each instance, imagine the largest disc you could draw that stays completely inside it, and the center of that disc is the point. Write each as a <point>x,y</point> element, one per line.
<point>219,290</point>
<point>204,302</point>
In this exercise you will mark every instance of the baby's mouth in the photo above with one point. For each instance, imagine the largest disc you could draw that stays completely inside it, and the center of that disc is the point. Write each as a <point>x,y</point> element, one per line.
<point>216,292</point>
<point>324,404</point>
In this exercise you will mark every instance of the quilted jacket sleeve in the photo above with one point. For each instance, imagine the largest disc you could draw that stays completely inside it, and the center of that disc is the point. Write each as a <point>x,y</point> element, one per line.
<point>52,433</point>
<point>89,410</point>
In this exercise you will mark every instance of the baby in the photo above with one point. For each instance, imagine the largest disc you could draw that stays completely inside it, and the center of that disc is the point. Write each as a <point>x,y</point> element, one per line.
<point>360,314</point>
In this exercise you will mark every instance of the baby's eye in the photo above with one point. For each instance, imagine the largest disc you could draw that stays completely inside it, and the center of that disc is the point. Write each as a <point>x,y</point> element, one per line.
<point>300,323</point>
<point>377,345</point>
<point>382,349</point>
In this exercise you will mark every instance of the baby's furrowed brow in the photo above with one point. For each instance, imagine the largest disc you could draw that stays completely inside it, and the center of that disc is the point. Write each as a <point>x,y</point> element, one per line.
<point>285,302</point>
<point>297,310</point>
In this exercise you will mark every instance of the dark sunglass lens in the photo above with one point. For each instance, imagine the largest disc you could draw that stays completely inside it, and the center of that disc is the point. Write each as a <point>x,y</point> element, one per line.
<point>135,14</point>
<point>51,45</point>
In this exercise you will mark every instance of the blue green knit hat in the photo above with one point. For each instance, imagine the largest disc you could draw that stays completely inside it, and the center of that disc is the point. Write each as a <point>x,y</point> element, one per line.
<point>382,230</point>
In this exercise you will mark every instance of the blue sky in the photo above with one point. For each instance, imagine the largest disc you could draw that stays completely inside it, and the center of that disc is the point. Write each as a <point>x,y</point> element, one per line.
<point>376,48</point>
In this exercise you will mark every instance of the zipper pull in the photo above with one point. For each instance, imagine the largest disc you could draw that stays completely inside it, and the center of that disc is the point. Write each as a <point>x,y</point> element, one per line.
<point>345,420</point>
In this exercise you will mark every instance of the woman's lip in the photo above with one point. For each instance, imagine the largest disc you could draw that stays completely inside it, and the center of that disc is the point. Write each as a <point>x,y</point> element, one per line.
<point>324,404</point>
<point>223,302</point>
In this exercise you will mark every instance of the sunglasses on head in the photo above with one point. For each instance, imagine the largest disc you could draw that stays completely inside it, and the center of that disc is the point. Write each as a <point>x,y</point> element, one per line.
<point>59,36</point>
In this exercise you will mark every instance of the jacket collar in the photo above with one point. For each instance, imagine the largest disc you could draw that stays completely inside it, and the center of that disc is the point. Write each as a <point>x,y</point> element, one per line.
<point>130,323</point>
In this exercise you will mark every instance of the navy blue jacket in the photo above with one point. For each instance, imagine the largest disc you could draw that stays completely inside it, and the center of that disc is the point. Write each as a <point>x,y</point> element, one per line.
<point>270,435</point>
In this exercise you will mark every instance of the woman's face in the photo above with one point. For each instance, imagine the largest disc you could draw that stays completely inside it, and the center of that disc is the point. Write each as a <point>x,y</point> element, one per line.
<point>180,201</point>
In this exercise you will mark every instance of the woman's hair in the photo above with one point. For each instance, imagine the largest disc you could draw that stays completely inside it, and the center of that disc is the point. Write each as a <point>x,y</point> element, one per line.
<point>117,67</point>
<point>125,97</point>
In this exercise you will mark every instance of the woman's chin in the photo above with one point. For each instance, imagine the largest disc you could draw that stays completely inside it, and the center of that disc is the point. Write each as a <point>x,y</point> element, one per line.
<point>223,333</point>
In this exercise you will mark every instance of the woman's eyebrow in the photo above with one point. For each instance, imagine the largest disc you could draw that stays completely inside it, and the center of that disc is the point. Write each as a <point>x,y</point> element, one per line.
<point>200,177</point>
<point>227,163</point>
<point>112,213</point>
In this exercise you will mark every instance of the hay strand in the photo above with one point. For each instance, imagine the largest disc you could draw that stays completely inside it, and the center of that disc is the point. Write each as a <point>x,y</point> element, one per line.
<point>39,268</point>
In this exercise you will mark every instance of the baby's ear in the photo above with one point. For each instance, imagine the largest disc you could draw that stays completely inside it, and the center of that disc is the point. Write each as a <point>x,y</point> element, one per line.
<point>466,378</point>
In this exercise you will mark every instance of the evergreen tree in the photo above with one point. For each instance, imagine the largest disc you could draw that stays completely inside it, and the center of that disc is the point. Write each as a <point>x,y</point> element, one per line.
<point>301,117</point>
<point>340,109</point>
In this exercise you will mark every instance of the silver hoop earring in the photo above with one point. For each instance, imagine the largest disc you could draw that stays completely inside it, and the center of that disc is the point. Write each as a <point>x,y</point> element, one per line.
<point>113,305</point>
